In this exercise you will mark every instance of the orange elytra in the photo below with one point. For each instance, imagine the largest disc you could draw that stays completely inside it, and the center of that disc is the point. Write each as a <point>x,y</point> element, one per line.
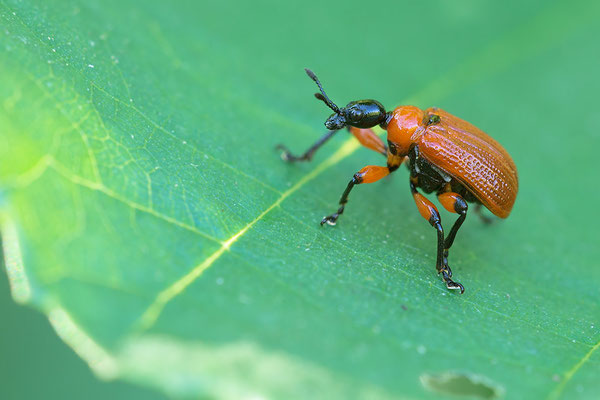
<point>444,154</point>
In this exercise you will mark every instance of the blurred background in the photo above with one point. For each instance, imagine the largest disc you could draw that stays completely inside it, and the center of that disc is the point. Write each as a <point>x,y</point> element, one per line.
<point>36,364</point>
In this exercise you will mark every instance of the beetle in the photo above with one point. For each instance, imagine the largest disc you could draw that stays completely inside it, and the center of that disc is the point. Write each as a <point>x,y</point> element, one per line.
<point>444,154</point>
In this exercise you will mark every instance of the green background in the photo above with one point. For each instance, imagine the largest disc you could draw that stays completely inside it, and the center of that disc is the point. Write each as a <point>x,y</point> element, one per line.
<point>173,249</point>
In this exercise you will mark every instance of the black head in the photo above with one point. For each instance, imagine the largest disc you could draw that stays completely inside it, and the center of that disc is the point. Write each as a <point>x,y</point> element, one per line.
<point>361,113</point>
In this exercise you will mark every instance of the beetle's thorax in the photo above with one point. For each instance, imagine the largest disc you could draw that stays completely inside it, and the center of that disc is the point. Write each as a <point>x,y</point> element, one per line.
<point>404,128</point>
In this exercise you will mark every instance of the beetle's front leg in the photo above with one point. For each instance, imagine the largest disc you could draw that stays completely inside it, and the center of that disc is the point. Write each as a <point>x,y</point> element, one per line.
<point>369,174</point>
<point>286,155</point>
<point>369,139</point>
<point>429,211</point>
<point>366,137</point>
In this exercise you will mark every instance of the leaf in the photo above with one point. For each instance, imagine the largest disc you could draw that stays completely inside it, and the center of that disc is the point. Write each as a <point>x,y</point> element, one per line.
<point>145,211</point>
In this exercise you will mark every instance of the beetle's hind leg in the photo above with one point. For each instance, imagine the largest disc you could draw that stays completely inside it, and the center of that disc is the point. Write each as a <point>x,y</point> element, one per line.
<point>454,203</point>
<point>429,211</point>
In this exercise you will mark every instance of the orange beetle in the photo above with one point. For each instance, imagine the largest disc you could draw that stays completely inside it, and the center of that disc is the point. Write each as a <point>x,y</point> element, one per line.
<point>446,155</point>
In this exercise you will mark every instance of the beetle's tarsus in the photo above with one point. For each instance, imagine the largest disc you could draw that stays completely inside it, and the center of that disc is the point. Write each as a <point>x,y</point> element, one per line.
<point>330,219</point>
<point>287,156</point>
<point>450,284</point>
<point>454,286</point>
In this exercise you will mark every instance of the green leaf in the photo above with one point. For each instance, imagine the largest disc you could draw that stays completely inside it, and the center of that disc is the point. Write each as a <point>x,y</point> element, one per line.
<point>144,210</point>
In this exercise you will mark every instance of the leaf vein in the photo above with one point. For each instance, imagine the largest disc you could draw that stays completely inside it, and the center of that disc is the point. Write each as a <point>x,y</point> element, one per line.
<point>555,394</point>
<point>139,112</point>
<point>78,180</point>
<point>152,313</point>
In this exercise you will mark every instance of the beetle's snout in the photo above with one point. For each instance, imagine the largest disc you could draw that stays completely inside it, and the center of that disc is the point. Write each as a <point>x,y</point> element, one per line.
<point>335,122</point>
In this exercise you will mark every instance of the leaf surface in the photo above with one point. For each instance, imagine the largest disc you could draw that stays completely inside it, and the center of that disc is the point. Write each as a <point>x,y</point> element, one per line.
<point>145,210</point>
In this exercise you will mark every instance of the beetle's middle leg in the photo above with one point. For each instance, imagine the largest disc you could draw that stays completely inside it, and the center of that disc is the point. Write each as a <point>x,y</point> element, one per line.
<point>429,211</point>
<point>369,139</point>
<point>369,174</point>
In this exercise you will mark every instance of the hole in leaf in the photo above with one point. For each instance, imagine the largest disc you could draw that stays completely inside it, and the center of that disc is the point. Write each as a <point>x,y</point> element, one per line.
<point>462,384</point>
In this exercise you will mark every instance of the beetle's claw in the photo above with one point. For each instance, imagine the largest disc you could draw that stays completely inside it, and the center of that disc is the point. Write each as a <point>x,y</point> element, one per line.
<point>285,153</point>
<point>454,286</point>
<point>450,284</point>
<point>330,219</point>
<point>287,156</point>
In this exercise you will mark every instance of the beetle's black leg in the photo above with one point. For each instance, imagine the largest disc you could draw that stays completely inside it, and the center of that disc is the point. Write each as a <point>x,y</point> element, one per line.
<point>484,218</point>
<point>369,174</point>
<point>429,211</point>
<point>454,203</point>
<point>332,219</point>
<point>307,156</point>
<point>457,224</point>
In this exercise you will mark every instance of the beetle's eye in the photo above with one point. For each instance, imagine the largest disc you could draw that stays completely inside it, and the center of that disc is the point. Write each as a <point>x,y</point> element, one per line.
<point>335,122</point>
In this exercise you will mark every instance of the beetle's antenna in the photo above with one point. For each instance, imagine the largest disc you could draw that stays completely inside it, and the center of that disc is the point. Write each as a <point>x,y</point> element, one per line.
<point>322,96</point>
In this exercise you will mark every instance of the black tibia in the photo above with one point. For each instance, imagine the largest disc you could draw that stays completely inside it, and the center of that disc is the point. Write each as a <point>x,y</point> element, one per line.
<point>461,208</point>
<point>307,156</point>
<point>332,219</point>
